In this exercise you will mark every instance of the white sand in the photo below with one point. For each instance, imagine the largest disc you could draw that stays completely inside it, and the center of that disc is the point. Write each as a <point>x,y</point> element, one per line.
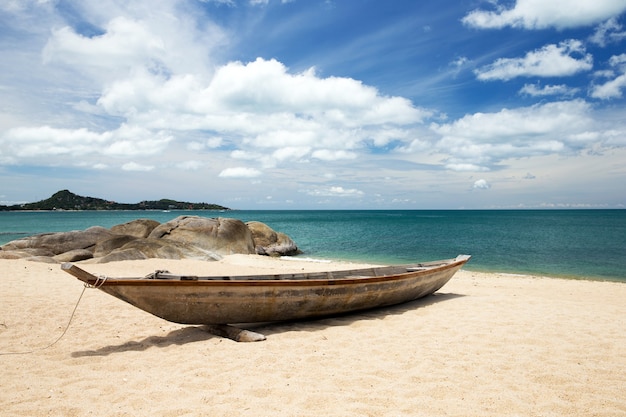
<point>484,345</point>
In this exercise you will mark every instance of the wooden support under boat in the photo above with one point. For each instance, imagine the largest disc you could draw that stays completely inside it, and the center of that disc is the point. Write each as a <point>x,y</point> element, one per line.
<point>234,333</point>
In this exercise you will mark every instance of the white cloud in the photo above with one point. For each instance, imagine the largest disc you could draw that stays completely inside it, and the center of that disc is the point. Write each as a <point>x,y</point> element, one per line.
<point>550,61</point>
<point>276,116</point>
<point>456,164</point>
<point>535,90</point>
<point>135,35</point>
<point>210,143</point>
<point>290,153</point>
<point>189,165</point>
<point>240,172</point>
<point>459,65</point>
<point>613,87</point>
<point>266,86</point>
<point>541,14</point>
<point>333,155</point>
<point>125,43</point>
<point>126,141</point>
<point>479,141</point>
<point>335,191</point>
<point>610,89</point>
<point>220,2</point>
<point>607,32</point>
<point>134,166</point>
<point>481,185</point>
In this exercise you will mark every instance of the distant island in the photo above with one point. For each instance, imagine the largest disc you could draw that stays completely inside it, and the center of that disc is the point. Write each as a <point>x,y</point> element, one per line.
<point>66,200</point>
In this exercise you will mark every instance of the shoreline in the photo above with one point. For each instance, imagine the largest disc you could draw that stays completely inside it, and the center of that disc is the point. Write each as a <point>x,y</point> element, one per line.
<point>483,345</point>
<point>470,267</point>
<point>569,251</point>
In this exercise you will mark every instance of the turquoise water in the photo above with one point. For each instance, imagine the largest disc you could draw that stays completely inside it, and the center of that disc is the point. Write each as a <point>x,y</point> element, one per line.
<point>565,243</point>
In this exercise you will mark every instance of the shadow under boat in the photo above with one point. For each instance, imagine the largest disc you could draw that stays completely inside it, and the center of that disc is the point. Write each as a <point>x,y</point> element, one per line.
<point>201,333</point>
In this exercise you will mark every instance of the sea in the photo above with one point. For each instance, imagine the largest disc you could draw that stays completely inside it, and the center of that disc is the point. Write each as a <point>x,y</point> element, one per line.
<point>578,244</point>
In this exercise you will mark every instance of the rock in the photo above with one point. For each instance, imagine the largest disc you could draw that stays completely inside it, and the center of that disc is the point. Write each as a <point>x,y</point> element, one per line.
<point>122,255</point>
<point>106,246</point>
<point>25,253</point>
<point>139,228</point>
<point>43,259</point>
<point>13,254</point>
<point>158,248</point>
<point>61,242</point>
<point>73,255</point>
<point>269,242</point>
<point>223,236</point>
<point>186,237</point>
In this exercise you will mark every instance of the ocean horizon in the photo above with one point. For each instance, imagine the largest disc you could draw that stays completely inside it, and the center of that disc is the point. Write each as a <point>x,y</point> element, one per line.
<point>582,243</point>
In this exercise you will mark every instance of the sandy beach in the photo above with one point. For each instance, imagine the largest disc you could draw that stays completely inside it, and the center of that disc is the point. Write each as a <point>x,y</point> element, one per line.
<point>484,345</point>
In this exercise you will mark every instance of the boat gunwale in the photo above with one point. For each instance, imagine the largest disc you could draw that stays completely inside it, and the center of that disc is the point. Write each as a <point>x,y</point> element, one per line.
<point>232,281</point>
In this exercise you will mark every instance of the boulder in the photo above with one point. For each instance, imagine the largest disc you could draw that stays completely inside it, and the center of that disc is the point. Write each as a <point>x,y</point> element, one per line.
<point>106,246</point>
<point>158,248</point>
<point>74,255</point>
<point>223,236</point>
<point>13,254</point>
<point>24,253</point>
<point>61,242</point>
<point>139,228</point>
<point>122,255</point>
<point>269,242</point>
<point>42,259</point>
<point>185,237</point>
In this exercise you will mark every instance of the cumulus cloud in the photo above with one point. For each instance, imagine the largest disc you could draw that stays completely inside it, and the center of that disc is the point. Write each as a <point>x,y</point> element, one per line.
<point>480,141</point>
<point>566,58</point>
<point>335,191</point>
<point>125,43</point>
<point>541,14</point>
<point>329,155</point>
<point>126,141</point>
<point>264,110</point>
<point>535,90</point>
<point>613,87</point>
<point>134,166</point>
<point>240,172</point>
<point>157,82</point>
<point>481,185</point>
<point>608,32</point>
<point>134,36</point>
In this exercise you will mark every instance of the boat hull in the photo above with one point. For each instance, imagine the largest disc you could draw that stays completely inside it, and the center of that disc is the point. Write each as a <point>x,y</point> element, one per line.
<point>206,301</point>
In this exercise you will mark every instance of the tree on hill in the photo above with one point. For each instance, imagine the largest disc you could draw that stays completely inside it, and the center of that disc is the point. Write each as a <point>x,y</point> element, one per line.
<point>66,200</point>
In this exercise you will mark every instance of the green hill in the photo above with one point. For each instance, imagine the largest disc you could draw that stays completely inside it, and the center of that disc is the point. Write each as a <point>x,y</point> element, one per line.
<point>66,200</point>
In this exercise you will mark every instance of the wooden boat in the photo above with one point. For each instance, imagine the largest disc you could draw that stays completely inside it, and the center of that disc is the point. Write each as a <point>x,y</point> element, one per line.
<point>217,300</point>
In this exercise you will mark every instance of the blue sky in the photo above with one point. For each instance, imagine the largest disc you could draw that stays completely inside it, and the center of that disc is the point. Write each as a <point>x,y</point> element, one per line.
<point>307,104</point>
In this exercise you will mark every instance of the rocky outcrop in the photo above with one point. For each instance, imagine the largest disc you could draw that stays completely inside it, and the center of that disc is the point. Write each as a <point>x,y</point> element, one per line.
<point>137,228</point>
<point>271,243</point>
<point>185,237</point>
<point>159,248</point>
<point>221,235</point>
<point>57,243</point>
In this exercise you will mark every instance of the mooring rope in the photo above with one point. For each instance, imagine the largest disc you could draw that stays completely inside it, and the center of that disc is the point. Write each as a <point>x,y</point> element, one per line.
<point>99,282</point>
